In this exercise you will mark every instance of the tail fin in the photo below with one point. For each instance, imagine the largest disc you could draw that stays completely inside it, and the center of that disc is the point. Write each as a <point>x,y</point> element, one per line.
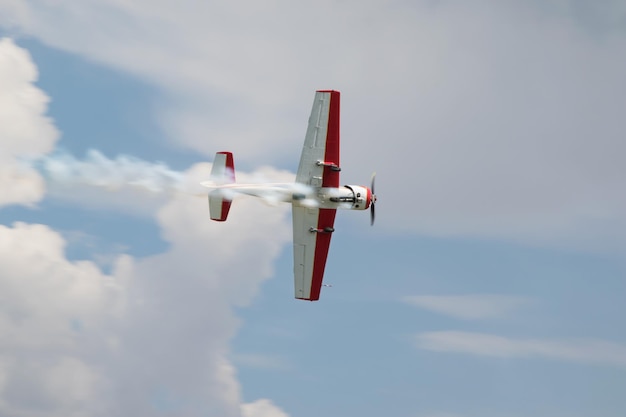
<point>223,172</point>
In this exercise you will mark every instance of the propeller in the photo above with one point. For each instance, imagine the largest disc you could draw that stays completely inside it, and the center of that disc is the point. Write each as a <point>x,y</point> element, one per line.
<point>373,202</point>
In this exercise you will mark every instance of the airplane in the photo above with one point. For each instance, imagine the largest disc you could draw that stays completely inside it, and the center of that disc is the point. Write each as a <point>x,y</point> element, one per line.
<point>315,196</point>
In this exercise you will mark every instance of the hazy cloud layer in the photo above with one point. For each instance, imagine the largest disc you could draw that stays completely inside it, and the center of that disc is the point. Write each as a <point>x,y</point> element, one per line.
<point>581,350</point>
<point>468,307</point>
<point>498,120</point>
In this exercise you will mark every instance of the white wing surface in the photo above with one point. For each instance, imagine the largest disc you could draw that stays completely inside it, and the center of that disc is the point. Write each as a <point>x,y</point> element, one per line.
<point>319,167</point>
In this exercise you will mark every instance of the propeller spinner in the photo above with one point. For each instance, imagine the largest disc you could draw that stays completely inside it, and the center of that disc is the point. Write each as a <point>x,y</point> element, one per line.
<point>373,203</point>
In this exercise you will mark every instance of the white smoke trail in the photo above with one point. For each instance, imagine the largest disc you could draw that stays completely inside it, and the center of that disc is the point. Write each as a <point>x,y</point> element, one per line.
<point>111,174</point>
<point>80,180</point>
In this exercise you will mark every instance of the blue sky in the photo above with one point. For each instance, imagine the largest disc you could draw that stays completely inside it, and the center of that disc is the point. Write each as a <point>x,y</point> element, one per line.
<point>491,285</point>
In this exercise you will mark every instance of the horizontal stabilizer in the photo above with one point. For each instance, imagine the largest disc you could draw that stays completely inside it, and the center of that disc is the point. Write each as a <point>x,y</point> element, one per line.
<point>218,206</point>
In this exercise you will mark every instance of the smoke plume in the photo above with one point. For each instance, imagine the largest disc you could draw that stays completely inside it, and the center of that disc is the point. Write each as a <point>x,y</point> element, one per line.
<point>112,174</point>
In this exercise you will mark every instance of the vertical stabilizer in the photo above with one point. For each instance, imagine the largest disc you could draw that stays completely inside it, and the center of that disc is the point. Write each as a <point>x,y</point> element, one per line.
<point>223,171</point>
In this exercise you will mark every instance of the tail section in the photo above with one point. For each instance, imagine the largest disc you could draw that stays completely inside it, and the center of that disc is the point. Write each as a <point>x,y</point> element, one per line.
<point>223,172</point>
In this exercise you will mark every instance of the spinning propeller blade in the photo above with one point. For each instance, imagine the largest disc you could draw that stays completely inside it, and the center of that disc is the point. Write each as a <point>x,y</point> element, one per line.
<point>373,203</point>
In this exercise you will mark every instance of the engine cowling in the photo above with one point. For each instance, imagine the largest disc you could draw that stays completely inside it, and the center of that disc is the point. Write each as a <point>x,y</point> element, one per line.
<point>362,196</point>
<point>355,197</point>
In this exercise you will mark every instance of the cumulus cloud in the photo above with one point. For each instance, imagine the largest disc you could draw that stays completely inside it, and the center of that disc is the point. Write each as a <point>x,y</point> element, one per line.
<point>468,307</point>
<point>25,130</point>
<point>180,314</point>
<point>151,337</point>
<point>481,344</point>
<point>261,408</point>
<point>49,310</point>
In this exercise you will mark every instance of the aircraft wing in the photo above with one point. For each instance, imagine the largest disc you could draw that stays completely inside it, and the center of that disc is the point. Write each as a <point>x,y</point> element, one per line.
<point>321,142</point>
<point>319,167</point>
<point>310,249</point>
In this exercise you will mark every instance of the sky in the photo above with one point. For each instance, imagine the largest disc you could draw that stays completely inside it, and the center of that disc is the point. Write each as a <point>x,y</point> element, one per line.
<point>492,283</point>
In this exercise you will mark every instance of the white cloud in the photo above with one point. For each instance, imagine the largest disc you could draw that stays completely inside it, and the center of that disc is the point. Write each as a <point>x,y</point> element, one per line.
<point>71,382</point>
<point>49,308</point>
<point>261,408</point>
<point>43,293</point>
<point>24,128</point>
<point>468,307</point>
<point>63,386</point>
<point>153,335</point>
<point>578,350</point>
<point>180,318</point>
<point>516,138</point>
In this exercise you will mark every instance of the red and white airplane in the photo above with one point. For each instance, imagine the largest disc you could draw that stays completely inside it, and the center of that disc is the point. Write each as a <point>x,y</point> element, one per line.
<point>314,197</point>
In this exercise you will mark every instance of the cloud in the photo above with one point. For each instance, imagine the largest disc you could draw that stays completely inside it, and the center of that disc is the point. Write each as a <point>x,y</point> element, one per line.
<point>500,122</point>
<point>481,344</point>
<point>261,408</point>
<point>180,317</point>
<point>49,308</point>
<point>187,295</point>
<point>24,128</point>
<point>514,138</point>
<point>468,307</point>
<point>151,336</point>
